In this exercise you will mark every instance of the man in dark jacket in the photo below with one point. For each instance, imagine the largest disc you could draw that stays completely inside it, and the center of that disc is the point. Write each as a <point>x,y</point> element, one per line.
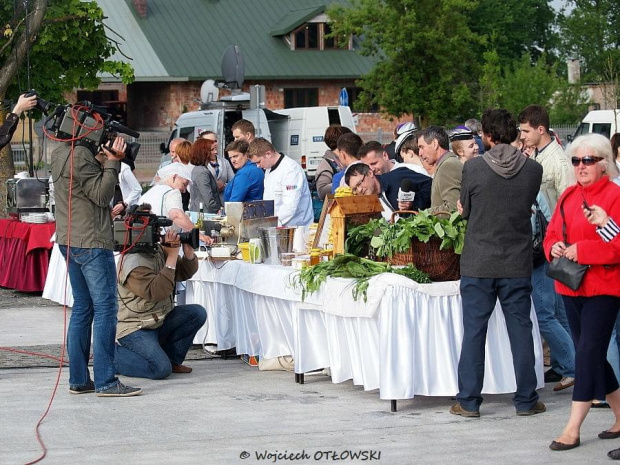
<point>362,181</point>
<point>497,194</point>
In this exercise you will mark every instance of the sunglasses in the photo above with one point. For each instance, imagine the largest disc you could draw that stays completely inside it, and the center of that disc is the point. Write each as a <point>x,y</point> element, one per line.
<point>587,160</point>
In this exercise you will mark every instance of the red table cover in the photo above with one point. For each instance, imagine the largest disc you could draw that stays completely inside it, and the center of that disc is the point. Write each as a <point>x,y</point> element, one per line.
<point>24,254</point>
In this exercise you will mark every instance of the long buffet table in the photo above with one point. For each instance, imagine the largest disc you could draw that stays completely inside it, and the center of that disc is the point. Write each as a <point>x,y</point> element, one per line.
<point>405,340</point>
<point>25,252</point>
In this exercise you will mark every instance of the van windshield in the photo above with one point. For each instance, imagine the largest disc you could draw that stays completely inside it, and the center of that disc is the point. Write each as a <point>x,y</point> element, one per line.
<point>602,128</point>
<point>583,128</point>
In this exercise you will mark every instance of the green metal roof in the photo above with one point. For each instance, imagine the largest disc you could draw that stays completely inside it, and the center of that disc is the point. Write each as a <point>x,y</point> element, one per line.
<point>293,19</point>
<point>189,38</point>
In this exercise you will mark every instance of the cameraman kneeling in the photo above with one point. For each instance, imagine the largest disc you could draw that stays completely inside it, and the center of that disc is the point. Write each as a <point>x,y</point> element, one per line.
<point>153,335</point>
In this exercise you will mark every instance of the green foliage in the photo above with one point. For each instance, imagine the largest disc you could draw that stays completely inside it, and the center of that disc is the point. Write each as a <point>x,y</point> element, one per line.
<point>515,27</point>
<point>490,81</point>
<point>570,104</point>
<point>590,31</point>
<point>311,278</point>
<point>386,238</point>
<point>426,64</point>
<point>524,83</point>
<point>527,83</point>
<point>68,53</point>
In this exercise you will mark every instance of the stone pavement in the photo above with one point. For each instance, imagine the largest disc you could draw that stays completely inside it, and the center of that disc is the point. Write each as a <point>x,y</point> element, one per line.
<point>226,412</point>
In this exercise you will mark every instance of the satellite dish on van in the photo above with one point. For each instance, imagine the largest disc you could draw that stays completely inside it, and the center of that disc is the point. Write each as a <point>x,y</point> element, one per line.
<point>209,91</point>
<point>233,68</point>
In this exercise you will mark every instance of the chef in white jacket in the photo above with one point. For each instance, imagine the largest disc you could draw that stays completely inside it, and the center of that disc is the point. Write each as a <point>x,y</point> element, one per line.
<point>285,184</point>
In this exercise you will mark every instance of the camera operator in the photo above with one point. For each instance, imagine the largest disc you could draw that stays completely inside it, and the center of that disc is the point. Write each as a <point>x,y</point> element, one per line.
<point>83,189</point>
<point>10,125</point>
<point>153,335</point>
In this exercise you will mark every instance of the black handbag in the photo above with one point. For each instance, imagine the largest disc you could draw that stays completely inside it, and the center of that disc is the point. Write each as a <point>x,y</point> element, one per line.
<point>562,269</point>
<point>538,251</point>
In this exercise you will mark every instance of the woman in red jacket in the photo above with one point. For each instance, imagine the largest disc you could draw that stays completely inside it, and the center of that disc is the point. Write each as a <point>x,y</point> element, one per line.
<point>593,307</point>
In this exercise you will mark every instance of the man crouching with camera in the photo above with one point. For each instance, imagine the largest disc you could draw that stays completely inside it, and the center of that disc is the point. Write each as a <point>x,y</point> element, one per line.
<point>153,335</point>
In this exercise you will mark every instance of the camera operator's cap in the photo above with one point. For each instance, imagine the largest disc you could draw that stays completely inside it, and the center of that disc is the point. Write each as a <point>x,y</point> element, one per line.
<point>461,133</point>
<point>177,168</point>
<point>405,131</point>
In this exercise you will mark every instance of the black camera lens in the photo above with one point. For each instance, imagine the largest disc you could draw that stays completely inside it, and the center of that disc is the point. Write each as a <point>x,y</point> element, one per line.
<point>192,238</point>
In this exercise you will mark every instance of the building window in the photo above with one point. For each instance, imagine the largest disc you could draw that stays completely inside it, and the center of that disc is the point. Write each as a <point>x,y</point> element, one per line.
<point>294,98</point>
<point>333,42</point>
<point>312,36</point>
<point>307,37</point>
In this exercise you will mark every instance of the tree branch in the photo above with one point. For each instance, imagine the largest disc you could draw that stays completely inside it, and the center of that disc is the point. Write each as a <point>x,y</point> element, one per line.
<point>10,67</point>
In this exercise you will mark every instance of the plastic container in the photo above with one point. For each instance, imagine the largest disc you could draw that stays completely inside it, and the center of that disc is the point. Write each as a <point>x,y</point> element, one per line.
<point>245,251</point>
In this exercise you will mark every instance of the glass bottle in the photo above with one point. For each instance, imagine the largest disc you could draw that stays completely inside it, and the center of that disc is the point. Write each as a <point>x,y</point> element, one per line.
<point>201,217</point>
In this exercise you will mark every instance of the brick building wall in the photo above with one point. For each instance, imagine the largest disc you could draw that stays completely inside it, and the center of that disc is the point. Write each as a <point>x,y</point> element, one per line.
<point>155,106</point>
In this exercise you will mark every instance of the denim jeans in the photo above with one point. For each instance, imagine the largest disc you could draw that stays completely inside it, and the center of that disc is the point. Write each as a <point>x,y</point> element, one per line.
<point>150,353</point>
<point>559,340</point>
<point>613,355</point>
<point>92,273</point>
<point>479,296</point>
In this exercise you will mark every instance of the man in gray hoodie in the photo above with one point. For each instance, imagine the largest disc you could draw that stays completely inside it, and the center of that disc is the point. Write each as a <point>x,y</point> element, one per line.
<point>497,193</point>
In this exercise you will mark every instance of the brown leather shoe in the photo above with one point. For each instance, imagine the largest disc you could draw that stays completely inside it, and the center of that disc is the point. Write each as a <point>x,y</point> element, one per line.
<point>564,383</point>
<point>456,409</point>
<point>181,368</point>
<point>538,407</point>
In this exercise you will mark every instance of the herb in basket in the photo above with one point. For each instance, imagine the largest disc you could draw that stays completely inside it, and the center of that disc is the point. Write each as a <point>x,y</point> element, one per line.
<point>361,270</point>
<point>388,239</point>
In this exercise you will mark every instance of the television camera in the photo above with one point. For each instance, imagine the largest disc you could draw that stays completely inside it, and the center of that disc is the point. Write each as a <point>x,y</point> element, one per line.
<point>90,125</point>
<point>140,232</point>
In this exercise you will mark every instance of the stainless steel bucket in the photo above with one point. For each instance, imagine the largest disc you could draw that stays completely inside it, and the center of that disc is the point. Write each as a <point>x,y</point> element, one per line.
<point>276,241</point>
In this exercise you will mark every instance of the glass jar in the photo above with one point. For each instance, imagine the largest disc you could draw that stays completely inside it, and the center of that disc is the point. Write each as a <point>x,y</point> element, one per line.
<point>315,258</point>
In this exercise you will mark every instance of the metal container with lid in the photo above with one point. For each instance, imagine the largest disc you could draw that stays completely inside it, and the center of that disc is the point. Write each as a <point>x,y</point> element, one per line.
<point>27,195</point>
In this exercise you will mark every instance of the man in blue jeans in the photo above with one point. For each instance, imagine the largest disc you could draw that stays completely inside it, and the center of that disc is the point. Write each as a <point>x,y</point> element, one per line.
<point>83,190</point>
<point>545,303</point>
<point>497,192</point>
<point>153,335</point>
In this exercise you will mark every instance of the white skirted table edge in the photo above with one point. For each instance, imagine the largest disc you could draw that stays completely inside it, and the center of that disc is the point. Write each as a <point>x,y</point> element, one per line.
<point>404,340</point>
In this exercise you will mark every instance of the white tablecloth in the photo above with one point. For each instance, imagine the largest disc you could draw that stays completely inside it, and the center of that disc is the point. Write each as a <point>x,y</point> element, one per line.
<point>405,341</point>
<point>54,289</point>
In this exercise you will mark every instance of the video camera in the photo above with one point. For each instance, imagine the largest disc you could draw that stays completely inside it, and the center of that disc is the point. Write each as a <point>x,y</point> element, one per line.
<point>42,105</point>
<point>89,125</point>
<point>140,232</point>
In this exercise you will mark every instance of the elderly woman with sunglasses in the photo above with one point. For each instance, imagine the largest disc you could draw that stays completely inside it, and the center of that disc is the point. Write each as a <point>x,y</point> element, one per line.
<point>593,307</point>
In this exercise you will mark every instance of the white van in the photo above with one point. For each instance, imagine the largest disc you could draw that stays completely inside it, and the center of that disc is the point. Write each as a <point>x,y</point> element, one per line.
<point>220,116</point>
<point>605,122</point>
<point>296,132</point>
<point>301,136</point>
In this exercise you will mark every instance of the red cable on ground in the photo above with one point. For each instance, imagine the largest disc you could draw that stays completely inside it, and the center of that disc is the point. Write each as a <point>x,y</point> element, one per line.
<point>64,331</point>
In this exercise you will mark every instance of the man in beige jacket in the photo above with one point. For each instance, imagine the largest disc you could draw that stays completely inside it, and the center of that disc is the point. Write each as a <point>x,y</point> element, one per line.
<point>557,172</point>
<point>433,144</point>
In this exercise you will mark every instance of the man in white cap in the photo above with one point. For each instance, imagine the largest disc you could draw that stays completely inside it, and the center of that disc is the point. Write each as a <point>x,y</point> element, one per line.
<point>165,196</point>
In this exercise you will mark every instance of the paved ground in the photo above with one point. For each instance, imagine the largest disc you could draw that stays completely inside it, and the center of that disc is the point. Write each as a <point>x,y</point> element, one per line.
<point>226,412</point>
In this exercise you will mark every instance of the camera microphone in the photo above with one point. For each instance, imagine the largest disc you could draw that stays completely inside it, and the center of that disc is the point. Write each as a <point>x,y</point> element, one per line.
<point>406,193</point>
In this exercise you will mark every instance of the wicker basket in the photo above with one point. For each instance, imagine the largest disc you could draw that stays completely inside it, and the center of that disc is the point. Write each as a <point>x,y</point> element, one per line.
<point>441,265</point>
<point>401,258</point>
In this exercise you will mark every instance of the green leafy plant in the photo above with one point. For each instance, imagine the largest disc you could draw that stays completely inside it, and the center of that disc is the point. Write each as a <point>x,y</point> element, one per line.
<point>386,239</point>
<point>348,265</point>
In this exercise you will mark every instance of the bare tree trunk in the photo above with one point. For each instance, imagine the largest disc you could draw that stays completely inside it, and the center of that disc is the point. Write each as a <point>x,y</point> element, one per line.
<point>7,73</point>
